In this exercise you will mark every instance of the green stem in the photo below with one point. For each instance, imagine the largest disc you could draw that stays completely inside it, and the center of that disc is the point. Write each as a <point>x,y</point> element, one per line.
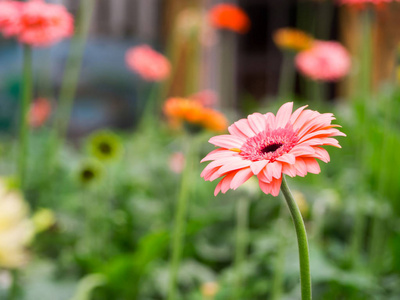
<point>27,88</point>
<point>305,274</point>
<point>242,212</point>
<point>71,75</point>
<point>180,223</point>
<point>14,291</point>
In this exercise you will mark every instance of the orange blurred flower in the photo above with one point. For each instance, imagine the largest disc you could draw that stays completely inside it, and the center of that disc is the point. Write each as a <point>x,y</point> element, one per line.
<point>39,112</point>
<point>292,39</point>
<point>149,64</point>
<point>229,16</point>
<point>35,22</point>
<point>180,111</point>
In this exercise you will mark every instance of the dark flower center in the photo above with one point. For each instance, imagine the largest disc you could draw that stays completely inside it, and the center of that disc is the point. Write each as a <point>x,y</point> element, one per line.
<point>271,148</point>
<point>105,148</point>
<point>87,174</point>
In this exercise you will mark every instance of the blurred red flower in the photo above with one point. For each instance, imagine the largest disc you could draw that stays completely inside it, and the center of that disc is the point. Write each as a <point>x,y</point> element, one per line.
<point>229,16</point>
<point>36,22</point>
<point>149,64</point>
<point>326,61</point>
<point>39,112</point>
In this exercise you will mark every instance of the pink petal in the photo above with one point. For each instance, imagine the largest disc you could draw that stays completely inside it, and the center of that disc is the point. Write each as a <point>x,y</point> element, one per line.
<point>270,120</point>
<point>287,158</point>
<point>275,169</point>
<point>296,114</point>
<point>271,188</point>
<point>226,182</point>
<point>241,177</point>
<point>322,154</point>
<point>301,167</point>
<point>312,165</point>
<point>289,170</point>
<point>323,133</point>
<point>243,126</point>
<point>218,154</point>
<point>283,115</point>
<point>227,141</point>
<point>301,150</point>
<point>257,166</point>
<point>218,188</point>
<point>239,163</point>
<point>234,130</point>
<point>257,122</point>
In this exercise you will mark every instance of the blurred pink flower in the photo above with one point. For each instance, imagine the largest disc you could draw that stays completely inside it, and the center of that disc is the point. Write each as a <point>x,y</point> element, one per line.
<point>326,61</point>
<point>10,17</point>
<point>206,98</point>
<point>177,162</point>
<point>149,64</point>
<point>39,112</point>
<point>363,2</point>
<point>35,23</point>
<point>269,146</point>
<point>43,24</point>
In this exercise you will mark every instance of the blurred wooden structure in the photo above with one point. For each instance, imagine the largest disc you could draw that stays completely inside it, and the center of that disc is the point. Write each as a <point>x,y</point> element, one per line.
<point>255,60</point>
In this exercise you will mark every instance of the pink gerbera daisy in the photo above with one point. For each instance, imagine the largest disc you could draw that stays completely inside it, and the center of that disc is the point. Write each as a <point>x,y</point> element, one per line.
<point>268,146</point>
<point>10,17</point>
<point>43,24</point>
<point>325,60</point>
<point>148,63</point>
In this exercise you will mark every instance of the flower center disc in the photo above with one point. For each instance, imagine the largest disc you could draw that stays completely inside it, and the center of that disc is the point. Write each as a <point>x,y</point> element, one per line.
<point>269,144</point>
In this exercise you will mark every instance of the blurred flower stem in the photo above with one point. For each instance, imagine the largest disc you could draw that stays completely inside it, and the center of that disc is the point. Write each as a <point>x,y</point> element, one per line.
<point>242,216</point>
<point>151,108</point>
<point>71,77</point>
<point>287,77</point>
<point>180,217</point>
<point>27,94</point>
<point>305,274</point>
<point>14,291</point>
<point>363,93</point>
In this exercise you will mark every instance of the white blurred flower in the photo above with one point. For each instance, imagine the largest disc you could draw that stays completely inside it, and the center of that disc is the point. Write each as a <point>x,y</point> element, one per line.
<point>16,230</point>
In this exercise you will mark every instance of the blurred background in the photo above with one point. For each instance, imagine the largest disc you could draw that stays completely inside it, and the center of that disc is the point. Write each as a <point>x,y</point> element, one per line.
<point>93,216</point>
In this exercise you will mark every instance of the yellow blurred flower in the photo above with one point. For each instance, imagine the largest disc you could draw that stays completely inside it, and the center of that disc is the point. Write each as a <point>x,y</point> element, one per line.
<point>301,203</point>
<point>209,290</point>
<point>16,230</point>
<point>188,22</point>
<point>43,219</point>
<point>292,39</point>
<point>105,145</point>
<point>193,114</point>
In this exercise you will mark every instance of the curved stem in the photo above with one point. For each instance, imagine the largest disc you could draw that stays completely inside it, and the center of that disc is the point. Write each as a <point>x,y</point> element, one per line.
<point>25,104</point>
<point>305,275</point>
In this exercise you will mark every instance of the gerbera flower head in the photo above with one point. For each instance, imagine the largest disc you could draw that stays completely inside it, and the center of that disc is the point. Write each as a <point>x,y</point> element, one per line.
<point>193,115</point>
<point>10,17</point>
<point>42,24</point>
<point>229,16</point>
<point>105,146</point>
<point>292,39</point>
<point>268,146</point>
<point>325,61</point>
<point>148,63</point>
<point>39,112</point>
